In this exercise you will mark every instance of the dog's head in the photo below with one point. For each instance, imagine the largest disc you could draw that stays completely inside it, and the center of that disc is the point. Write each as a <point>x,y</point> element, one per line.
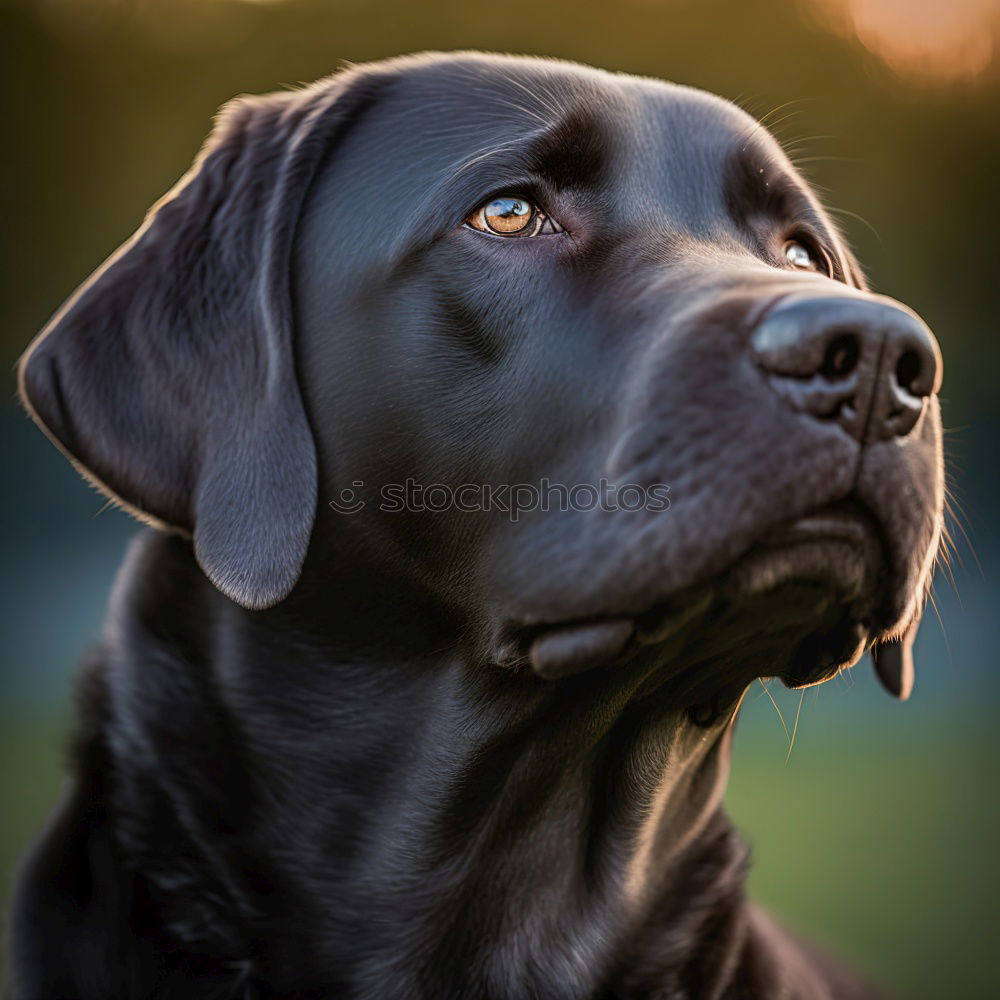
<point>603,316</point>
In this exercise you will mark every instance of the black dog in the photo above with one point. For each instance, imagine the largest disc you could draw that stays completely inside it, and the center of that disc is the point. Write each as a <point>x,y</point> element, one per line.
<point>347,736</point>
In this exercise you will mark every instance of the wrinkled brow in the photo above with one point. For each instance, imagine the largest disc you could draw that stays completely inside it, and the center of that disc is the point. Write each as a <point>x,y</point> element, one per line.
<point>571,152</point>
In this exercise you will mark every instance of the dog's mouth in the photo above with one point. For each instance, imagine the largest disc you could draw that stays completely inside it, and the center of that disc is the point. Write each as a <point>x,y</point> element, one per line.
<point>801,601</point>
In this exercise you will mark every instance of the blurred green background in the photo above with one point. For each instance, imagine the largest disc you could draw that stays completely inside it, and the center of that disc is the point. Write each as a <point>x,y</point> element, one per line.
<point>879,832</point>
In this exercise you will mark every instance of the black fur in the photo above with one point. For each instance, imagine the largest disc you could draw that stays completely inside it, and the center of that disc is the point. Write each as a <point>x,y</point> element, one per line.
<point>319,755</point>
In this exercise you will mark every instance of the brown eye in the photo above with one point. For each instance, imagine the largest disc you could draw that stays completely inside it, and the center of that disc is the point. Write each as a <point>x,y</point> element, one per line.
<point>510,215</point>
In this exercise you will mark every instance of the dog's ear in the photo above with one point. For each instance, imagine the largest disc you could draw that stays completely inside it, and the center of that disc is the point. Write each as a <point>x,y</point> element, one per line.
<point>169,377</point>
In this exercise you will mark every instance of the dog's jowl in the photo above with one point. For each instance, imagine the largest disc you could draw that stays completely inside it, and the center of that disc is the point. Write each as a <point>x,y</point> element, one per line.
<point>456,746</point>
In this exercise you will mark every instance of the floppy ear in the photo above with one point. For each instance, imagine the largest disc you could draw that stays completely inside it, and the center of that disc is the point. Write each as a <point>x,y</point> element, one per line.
<point>169,377</point>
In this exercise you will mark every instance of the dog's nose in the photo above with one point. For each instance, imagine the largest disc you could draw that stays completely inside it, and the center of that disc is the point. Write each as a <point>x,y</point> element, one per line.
<point>865,363</point>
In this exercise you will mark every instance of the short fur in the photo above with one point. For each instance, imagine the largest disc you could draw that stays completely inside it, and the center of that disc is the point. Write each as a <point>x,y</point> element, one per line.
<point>325,754</point>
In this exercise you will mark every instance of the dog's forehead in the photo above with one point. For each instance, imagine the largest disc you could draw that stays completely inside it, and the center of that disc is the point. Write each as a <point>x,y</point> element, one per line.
<point>478,102</point>
<point>444,132</point>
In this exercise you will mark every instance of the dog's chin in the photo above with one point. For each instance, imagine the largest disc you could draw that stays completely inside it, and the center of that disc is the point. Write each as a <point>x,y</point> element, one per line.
<point>799,605</point>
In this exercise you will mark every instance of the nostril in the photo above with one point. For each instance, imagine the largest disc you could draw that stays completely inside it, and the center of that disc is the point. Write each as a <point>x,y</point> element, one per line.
<point>908,371</point>
<point>863,362</point>
<point>841,357</point>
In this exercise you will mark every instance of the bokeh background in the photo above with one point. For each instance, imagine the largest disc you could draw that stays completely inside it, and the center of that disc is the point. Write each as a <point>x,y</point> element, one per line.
<point>878,831</point>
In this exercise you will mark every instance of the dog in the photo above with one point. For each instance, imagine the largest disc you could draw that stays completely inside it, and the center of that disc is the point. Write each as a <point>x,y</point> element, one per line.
<point>350,736</point>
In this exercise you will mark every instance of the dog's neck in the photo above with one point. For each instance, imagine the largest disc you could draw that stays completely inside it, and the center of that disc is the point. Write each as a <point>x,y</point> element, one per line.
<point>443,827</point>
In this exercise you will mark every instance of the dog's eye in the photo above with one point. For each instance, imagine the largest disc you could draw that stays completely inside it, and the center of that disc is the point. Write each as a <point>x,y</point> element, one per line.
<point>802,257</point>
<point>511,215</point>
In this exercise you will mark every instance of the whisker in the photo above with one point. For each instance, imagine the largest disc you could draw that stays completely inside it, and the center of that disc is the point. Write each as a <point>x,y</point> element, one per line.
<point>860,218</point>
<point>943,558</point>
<point>108,504</point>
<point>958,518</point>
<point>795,725</point>
<point>944,631</point>
<point>763,123</point>
<point>760,680</point>
<point>798,161</point>
<point>766,119</point>
<point>773,126</point>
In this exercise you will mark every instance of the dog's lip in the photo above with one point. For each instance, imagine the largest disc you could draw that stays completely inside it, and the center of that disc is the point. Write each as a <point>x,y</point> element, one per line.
<point>839,545</point>
<point>847,521</point>
<point>576,647</point>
